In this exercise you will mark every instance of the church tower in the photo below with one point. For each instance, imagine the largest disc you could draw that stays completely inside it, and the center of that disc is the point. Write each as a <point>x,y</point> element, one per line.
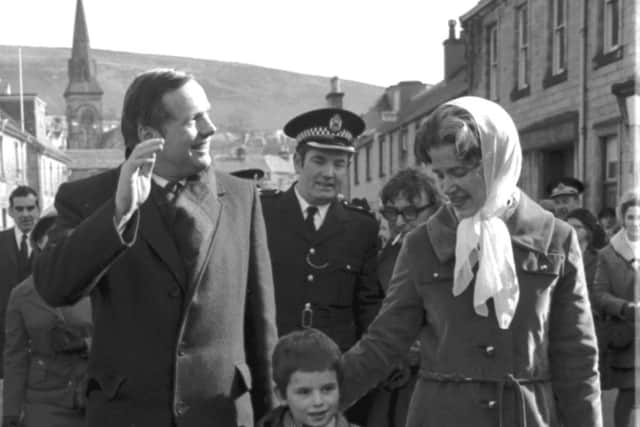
<point>83,94</point>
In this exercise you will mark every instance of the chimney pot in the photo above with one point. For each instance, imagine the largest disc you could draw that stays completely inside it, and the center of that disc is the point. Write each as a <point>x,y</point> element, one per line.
<point>452,29</point>
<point>335,84</point>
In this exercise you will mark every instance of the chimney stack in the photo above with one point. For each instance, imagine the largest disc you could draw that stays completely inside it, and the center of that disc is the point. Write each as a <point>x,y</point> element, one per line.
<point>454,52</point>
<point>334,98</point>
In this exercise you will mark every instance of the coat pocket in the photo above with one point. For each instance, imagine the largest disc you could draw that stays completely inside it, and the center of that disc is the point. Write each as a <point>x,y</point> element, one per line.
<point>242,381</point>
<point>108,384</point>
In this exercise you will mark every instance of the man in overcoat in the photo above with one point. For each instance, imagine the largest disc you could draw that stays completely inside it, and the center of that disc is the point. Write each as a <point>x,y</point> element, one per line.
<point>323,251</point>
<point>175,258</point>
<point>15,247</point>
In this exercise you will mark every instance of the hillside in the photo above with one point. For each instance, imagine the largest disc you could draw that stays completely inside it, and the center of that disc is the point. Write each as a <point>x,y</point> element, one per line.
<point>242,96</point>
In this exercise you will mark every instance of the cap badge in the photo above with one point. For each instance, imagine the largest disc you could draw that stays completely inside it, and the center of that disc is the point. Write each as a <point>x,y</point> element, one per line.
<point>335,123</point>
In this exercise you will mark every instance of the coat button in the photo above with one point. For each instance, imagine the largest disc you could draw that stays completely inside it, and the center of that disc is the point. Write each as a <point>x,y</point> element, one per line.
<point>436,275</point>
<point>310,278</point>
<point>181,408</point>
<point>348,266</point>
<point>492,404</point>
<point>312,251</point>
<point>174,292</point>
<point>490,350</point>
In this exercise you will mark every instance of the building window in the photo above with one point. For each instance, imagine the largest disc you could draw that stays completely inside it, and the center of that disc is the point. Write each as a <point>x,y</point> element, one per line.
<point>609,32</point>
<point>522,53</point>
<point>367,165</point>
<point>381,155</point>
<point>611,25</point>
<point>403,148</point>
<point>356,181</point>
<point>492,62</point>
<point>559,40</point>
<point>611,150</point>
<point>390,154</point>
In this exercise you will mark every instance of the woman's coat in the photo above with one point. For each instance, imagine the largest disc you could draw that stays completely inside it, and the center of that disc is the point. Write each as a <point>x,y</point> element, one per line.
<point>542,369</point>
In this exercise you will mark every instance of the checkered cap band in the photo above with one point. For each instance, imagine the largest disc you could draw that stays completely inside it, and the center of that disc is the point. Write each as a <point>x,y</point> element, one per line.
<point>322,131</point>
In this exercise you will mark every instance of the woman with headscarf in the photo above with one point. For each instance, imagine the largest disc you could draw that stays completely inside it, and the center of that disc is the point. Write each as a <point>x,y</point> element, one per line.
<point>615,287</point>
<point>492,285</point>
<point>45,354</point>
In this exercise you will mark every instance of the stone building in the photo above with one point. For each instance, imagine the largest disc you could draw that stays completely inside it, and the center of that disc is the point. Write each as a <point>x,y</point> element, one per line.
<point>552,64</point>
<point>392,122</point>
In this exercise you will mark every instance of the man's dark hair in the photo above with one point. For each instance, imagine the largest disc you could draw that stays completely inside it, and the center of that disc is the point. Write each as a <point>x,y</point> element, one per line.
<point>22,191</point>
<point>461,132</point>
<point>607,213</point>
<point>411,183</point>
<point>306,350</point>
<point>143,102</point>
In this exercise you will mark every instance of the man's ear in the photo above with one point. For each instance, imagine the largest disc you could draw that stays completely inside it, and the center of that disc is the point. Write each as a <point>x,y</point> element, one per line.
<point>297,161</point>
<point>147,132</point>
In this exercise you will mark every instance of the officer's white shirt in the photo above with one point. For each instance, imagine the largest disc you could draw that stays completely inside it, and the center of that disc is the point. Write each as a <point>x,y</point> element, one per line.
<point>319,217</point>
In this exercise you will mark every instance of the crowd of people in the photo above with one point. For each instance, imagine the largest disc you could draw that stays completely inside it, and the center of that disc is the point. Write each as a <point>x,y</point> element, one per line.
<point>165,293</point>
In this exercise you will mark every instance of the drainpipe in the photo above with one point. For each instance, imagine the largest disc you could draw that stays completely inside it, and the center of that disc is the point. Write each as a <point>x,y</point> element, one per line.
<point>584,105</point>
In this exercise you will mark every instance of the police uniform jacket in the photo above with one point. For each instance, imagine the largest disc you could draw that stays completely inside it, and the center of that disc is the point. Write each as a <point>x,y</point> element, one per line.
<point>45,358</point>
<point>171,347</point>
<point>332,269</point>
<point>541,371</point>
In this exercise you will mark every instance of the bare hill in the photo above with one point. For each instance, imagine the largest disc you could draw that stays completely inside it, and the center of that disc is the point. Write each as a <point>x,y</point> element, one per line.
<point>243,96</point>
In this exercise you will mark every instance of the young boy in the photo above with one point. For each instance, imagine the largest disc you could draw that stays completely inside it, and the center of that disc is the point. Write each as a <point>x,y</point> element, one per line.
<point>306,370</point>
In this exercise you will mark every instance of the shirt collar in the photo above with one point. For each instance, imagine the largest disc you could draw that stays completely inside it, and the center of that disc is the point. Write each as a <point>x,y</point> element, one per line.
<point>322,209</point>
<point>162,182</point>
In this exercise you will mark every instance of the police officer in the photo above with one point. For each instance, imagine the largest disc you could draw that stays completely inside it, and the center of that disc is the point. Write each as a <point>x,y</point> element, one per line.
<point>565,193</point>
<point>323,251</point>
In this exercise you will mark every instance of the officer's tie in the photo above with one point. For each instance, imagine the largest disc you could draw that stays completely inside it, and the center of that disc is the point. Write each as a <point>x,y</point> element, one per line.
<point>310,226</point>
<point>24,266</point>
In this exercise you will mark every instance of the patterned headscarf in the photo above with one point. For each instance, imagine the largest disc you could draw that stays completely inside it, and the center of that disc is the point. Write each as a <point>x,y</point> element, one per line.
<point>484,237</point>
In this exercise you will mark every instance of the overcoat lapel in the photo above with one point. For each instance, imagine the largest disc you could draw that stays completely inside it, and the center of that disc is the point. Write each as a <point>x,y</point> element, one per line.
<point>291,215</point>
<point>154,230</point>
<point>334,223</point>
<point>206,198</point>
<point>11,248</point>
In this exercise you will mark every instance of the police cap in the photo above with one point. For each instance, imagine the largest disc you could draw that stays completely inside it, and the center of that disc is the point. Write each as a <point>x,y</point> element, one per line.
<point>326,128</point>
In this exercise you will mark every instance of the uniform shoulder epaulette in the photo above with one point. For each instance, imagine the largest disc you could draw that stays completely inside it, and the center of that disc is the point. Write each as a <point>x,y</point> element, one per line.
<point>357,208</point>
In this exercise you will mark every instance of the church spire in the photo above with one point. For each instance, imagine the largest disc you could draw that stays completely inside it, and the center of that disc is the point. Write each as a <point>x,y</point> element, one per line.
<point>81,68</point>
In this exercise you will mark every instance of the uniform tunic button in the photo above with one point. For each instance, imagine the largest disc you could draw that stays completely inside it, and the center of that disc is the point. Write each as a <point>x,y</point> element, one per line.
<point>490,350</point>
<point>492,404</point>
<point>312,251</point>
<point>435,275</point>
<point>310,278</point>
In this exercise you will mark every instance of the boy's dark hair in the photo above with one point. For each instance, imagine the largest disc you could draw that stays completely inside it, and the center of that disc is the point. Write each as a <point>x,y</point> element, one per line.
<point>307,350</point>
<point>23,191</point>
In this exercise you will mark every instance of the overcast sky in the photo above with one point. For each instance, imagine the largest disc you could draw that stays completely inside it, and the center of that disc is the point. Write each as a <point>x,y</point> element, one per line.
<point>372,41</point>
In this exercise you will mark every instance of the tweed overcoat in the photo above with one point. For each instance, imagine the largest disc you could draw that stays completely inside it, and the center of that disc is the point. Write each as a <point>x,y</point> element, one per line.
<point>169,348</point>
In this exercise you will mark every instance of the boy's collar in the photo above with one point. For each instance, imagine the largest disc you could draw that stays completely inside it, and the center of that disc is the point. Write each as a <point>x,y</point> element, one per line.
<point>338,421</point>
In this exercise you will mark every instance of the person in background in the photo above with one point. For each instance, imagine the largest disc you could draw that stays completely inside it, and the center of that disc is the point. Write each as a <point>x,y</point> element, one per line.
<point>565,193</point>
<point>323,250</point>
<point>255,175</point>
<point>608,222</point>
<point>549,205</point>
<point>591,239</point>
<point>307,377</point>
<point>409,198</point>
<point>493,286</point>
<point>15,248</point>
<point>614,293</point>
<point>45,354</point>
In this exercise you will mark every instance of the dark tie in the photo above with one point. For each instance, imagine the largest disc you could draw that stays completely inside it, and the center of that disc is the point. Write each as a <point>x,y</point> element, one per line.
<point>308,221</point>
<point>23,262</point>
<point>181,224</point>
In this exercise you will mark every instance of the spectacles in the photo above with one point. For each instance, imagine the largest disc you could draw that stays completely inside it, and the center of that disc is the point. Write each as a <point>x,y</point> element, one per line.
<point>409,213</point>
